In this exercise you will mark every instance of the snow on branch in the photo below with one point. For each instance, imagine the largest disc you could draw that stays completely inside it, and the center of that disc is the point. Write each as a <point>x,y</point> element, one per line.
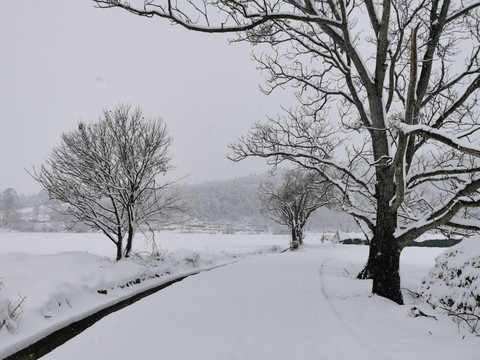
<point>445,174</point>
<point>452,141</point>
<point>466,224</point>
<point>463,11</point>
<point>467,196</point>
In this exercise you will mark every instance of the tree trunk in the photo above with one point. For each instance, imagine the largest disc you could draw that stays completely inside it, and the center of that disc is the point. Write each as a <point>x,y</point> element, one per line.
<point>294,243</point>
<point>119,243</point>
<point>386,270</point>
<point>383,265</point>
<point>300,236</point>
<point>367,271</point>
<point>128,248</point>
<point>119,247</point>
<point>384,256</point>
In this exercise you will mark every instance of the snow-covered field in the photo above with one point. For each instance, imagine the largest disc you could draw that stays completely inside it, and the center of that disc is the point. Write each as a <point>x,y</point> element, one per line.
<point>265,304</point>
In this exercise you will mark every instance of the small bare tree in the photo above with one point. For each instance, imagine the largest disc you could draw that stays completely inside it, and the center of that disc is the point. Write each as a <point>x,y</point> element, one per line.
<point>107,174</point>
<point>8,204</point>
<point>293,201</point>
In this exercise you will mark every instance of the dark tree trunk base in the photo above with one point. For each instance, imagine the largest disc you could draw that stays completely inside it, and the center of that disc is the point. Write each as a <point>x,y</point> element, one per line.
<point>128,248</point>
<point>365,274</point>
<point>119,252</point>
<point>383,267</point>
<point>386,271</point>
<point>294,245</point>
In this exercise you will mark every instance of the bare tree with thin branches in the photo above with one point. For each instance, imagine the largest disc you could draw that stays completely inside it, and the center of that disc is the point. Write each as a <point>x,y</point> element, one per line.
<point>401,75</point>
<point>107,174</point>
<point>291,202</point>
<point>8,205</point>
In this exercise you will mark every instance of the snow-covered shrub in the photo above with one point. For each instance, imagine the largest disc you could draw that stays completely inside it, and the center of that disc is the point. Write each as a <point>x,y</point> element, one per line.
<point>10,313</point>
<point>453,284</point>
<point>336,238</point>
<point>193,259</point>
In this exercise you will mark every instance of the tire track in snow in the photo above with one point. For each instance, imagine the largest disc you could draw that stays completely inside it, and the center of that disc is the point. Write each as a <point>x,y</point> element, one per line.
<point>323,334</point>
<point>355,341</point>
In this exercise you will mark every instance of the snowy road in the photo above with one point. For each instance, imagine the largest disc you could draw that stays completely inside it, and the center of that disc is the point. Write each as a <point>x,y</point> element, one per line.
<point>300,305</point>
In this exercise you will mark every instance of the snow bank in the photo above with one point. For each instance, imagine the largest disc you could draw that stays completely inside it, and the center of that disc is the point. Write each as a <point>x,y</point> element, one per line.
<point>10,312</point>
<point>61,287</point>
<point>454,283</point>
<point>305,304</point>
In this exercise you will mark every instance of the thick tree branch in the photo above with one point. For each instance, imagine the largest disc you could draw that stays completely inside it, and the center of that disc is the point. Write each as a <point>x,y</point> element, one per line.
<point>441,136</point>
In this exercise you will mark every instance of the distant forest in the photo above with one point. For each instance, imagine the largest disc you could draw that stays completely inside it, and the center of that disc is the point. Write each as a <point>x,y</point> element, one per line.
<point>219,206</point>
<point>236,201</point>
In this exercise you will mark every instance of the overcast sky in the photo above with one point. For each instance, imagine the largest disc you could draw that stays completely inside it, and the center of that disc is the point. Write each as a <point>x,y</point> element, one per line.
<point>64,60</point>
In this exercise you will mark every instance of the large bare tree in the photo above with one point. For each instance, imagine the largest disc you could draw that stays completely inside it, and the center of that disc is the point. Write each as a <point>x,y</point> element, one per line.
<point>402,75</point>
<point>107,174</point>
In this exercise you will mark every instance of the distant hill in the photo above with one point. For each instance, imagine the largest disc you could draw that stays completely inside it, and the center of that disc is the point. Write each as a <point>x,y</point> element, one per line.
<point>228,206</point>
<point>235,201</point>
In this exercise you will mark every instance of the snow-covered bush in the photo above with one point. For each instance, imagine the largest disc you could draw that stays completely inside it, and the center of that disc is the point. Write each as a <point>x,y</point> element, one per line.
<point>10,313</point>
<point>193,259</point>
<point>453,284</point>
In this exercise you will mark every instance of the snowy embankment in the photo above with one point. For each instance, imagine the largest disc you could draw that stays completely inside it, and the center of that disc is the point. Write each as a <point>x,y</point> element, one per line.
<point>56,281</point>
<point>305,304</point>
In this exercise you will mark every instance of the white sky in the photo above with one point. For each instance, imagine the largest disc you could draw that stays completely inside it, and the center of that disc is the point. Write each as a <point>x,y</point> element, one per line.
<point>62,61</point>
